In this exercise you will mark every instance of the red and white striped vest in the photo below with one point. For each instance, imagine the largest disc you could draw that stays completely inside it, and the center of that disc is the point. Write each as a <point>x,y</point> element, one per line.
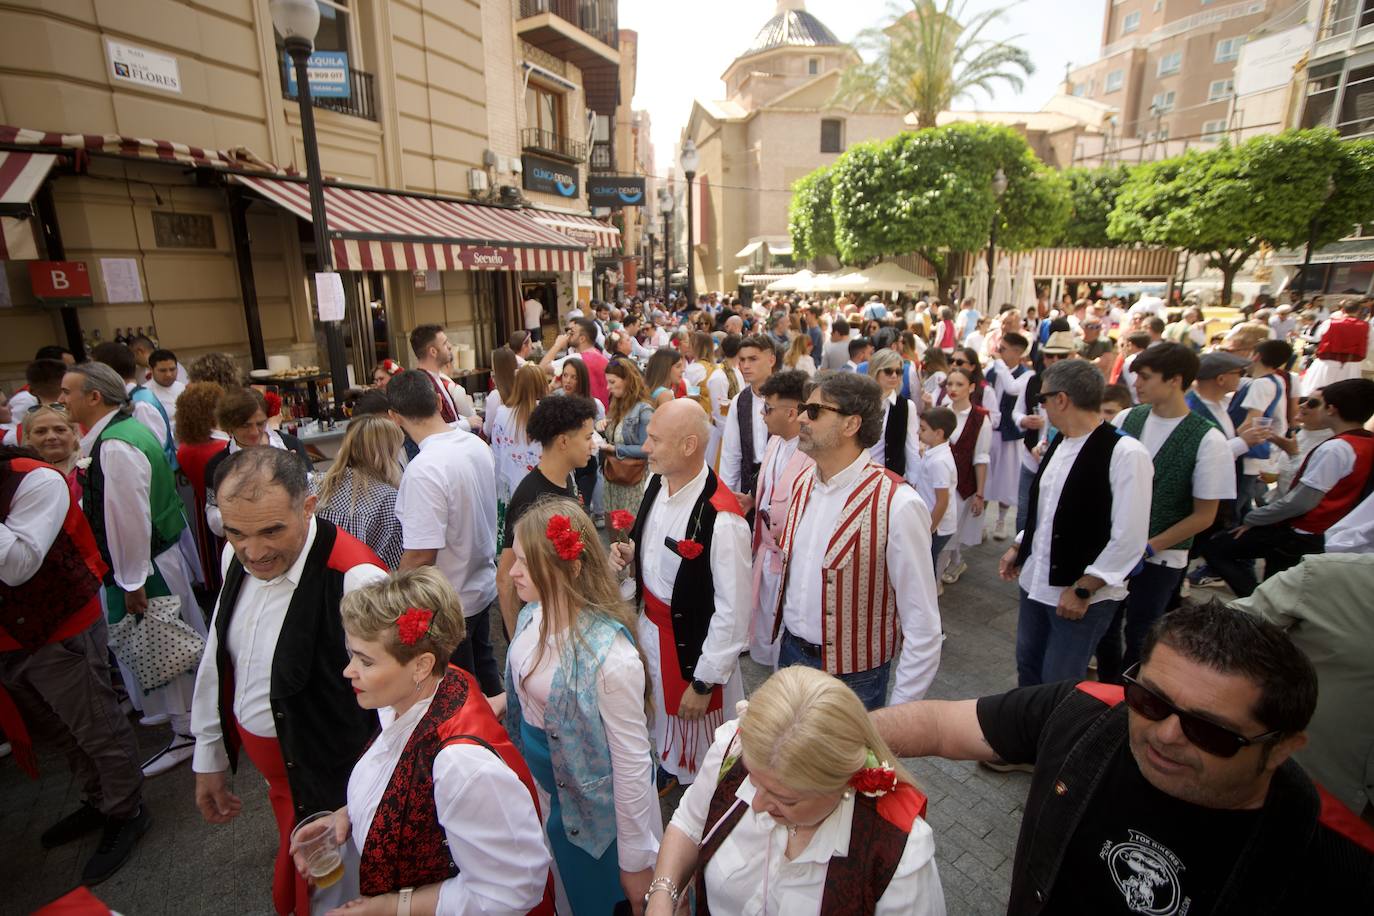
<point>858,605</point>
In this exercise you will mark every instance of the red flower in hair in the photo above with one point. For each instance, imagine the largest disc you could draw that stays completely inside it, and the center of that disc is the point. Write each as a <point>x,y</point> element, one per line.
<point>622,520</point>
<point>273,403</point>
<point>566,541</point>
<point>413,624</point>
<point>688,549</point>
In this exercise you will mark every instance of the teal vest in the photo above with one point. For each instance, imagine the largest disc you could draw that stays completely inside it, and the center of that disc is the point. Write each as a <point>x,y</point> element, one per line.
<point>1172,500</point>
<point>577,741</point>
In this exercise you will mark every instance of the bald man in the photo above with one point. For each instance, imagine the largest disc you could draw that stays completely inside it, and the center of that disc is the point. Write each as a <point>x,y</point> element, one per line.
<point>690,550</point>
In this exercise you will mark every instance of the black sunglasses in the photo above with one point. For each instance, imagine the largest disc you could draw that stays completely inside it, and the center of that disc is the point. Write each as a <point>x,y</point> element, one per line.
<point>1207,736</point>
<point>1310,403</point>
<point>55,405</point>
<point>890,371</point>
<point>959,362</point>
<point>1044,396</point>
<point>813,411</point>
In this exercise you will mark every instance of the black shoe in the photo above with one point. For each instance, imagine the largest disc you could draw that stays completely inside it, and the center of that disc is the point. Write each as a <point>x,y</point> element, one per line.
<point>84,820</point>
<point>116,845</point>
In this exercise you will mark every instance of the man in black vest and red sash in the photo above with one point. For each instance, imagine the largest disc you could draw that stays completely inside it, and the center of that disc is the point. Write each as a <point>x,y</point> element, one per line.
<point>270,683</point>
<point>690,548</point>
<point>54,662</point>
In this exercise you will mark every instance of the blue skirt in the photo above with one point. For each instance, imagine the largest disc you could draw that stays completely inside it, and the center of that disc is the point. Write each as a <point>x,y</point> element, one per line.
<point>592,885</point>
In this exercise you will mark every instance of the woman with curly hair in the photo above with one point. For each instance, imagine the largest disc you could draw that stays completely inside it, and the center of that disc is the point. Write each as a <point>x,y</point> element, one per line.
<point>218,368</point>
<point>199,441</point>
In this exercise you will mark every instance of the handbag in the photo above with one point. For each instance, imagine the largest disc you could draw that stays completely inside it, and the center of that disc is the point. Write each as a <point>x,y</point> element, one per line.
<point>158,645</point>
<point>625,472</point>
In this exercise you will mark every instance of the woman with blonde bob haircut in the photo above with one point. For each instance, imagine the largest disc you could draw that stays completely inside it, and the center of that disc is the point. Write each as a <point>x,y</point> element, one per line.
<point>359,492</point>
<point>810,812</point>
<point>578,709</point>
<point>441,814</point>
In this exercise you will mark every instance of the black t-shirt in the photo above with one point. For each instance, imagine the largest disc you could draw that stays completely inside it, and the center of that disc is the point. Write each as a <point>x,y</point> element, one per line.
<point>533,488</point>
<point>1137,850</point>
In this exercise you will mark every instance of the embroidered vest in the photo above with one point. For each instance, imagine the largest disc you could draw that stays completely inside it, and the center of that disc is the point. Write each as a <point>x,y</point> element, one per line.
<point>1348,492</point>
<point>67,581</point>
<point>1346,340</point>
<point>744,419</point>
<point>321,728</point>
<point>165,506</point>
<point>1237,411</point>
<point>964,448</point>
<point>1006,424</point>
<point>1172,498</point>
<point>894,436</point>
<point>693,599</point>
<point>406,844</point>
<point>578,748</point>
<point>858,604</point>
<point>854,883</point>
<point>1083,518</point>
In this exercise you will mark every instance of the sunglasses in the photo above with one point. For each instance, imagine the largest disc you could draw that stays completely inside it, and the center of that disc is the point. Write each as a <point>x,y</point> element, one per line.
<point>813,411</point>
<point>53,406</point>
<point>1310,403</point>
<point>770,408</point>
<point>1206,736</point>
<point>959,362</point>
<point>889,371</point>
<point>1044,396</point>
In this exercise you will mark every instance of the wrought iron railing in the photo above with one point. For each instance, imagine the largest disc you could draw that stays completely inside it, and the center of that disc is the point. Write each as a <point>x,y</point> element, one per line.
<point>361,100</point>
<point>595,17</point>
<point>546,141</point>
<point>603,157</point>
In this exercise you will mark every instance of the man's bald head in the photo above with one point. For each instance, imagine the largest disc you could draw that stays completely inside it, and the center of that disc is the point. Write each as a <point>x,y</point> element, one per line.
<point>677,439</point>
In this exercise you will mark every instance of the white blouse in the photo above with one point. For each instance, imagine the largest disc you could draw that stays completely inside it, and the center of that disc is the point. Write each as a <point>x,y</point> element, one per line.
<point>514,453</point>
<point>982,448</point>
<point>750,873</point>
<point>620,696</point>
<point>493,835</point>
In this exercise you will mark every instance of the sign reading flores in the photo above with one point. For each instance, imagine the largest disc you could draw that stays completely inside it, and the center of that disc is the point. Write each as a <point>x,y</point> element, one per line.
<point>551,177</point>
<point>130,64</point>
<point>615,191</point>
<point>328,74</point>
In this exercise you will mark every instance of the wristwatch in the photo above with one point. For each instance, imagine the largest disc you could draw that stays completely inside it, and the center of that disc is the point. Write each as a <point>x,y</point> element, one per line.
<point>1082,593</point>
<point>701,688</point>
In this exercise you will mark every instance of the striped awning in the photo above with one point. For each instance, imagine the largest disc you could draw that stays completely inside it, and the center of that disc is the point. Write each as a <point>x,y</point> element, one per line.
<point>583,228</point>
<point>386,230</point>
<point>21,175</point>
<point>237,159</point>
<point>1092,263</point>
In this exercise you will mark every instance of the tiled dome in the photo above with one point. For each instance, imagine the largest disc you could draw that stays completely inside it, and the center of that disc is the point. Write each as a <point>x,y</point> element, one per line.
<point>792,28</point>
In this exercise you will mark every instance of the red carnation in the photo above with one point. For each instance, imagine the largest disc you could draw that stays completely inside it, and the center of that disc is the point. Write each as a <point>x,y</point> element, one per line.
<point>557,525</point>
<point>568,544</point>
<point>273,403</point>
<point>622,520</point>
<point>874,780</point>
<point>688,549</point>
<point>413,624</point>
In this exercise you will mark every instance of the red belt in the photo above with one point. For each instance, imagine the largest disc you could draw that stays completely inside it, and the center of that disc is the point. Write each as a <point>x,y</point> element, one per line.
<point>290,893</point>
<point>661,615</point>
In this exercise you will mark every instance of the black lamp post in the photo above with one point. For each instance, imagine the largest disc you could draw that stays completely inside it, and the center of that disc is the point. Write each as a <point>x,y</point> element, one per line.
<point>649,236</point>
<point>689,160</point>
<point>297,21</point>
<point>999,187</point>
<point>665,203</point>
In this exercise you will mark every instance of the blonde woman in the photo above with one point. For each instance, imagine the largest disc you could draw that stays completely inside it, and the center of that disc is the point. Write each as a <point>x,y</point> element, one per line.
<point>359,492</point>
<point>51,433</point>
<point>512,449</point>
<point>575,674</point>
<point>811,813</point>
<point>441,814</point>
<point>798,355</point>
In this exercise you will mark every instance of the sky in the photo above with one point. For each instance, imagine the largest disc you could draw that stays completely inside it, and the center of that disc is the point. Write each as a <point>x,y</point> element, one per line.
<point>684,48</point>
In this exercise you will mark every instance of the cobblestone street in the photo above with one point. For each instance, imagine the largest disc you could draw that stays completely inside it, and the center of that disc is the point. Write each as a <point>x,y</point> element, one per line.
<point>185,866</point>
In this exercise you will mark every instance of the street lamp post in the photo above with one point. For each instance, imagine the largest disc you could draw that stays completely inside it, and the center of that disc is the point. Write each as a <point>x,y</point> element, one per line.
<point>689,160</point>
<point>650,237</point>
<point>665,203</point>
<point>1312,236</point>
<point>297,21</point>
<point>999,187</point>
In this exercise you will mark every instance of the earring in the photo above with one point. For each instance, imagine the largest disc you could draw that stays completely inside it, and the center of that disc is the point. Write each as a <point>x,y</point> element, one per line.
<point>848,794</point>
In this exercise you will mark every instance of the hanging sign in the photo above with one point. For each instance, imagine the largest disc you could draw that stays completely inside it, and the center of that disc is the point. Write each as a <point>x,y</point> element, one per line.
<point>60,282</point>
<point>549,176</point>
<point>480,258</point>
<point>615,191</point>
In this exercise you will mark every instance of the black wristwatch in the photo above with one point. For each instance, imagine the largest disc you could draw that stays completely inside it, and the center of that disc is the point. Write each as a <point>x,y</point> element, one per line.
<point>701,688</point>
<point>1082,593</point>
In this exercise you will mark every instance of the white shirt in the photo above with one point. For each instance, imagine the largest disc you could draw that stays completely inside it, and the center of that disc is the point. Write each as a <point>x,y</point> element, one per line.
<point>1237,445</point>
<point>750,873</point>
<point>620,698</point>
<point>489,821</point>
<point>19,406</point>
<point>730,440</point>
<point>771,472</point>
<point>719,387</point>
<point>534,314</point>
<point>457,397</point>
<point>728,634</point>
<point>128,516</point>
<point>1355,532</point>
<point>982,447</point>
<point>908,537</point>
<point>1308,439</point>
<point>878,450</point>
<point>512,451</point>
<point>182,375</point>
<point>1132,475</point>
<point>1259,394</point>
<point>447,502</point>
<point>167,397</point>
<point>147,414</point>
<point>37,511</point>
<point>252,645</point>
<point>692,376</point>
<point>936,471</point>
<point>1214,471</point>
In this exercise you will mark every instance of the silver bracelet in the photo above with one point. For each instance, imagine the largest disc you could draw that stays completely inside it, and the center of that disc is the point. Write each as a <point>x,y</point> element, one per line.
<point>663,884</point>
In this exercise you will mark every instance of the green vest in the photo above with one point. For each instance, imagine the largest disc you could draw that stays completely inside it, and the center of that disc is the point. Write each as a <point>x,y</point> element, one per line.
<point>1172,500</point>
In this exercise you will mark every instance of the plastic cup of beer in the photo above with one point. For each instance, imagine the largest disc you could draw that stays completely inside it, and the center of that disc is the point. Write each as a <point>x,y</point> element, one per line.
<point>314,839</point>
<point>1264,422</point>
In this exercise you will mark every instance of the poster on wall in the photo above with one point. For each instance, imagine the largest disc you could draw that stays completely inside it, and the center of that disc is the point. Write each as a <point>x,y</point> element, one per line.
<point>329,293</point>
<point>143,67</point>
<point>327,72</point>
<point>122,283</point>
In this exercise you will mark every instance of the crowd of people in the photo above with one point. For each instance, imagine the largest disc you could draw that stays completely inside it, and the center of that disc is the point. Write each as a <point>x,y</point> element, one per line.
<point>662,488</point>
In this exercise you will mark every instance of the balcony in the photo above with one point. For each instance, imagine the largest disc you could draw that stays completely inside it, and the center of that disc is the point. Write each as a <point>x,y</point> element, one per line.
<point>361,98</point>
<point>603,157</point>
<point>549,143</point>
<point>583,32</point>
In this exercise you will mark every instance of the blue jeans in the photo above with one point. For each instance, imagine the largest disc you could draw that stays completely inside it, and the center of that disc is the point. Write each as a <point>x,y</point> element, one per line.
<point>870,685</point>
<point>1152,589</point>
<point>1050,648</point>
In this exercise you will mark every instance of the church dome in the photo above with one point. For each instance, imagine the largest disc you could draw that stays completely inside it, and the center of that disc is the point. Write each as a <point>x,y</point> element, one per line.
<point>791,27</point>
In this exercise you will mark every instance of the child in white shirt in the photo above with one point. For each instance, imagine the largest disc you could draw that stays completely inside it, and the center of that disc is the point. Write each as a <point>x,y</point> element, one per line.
<point>937,477</point>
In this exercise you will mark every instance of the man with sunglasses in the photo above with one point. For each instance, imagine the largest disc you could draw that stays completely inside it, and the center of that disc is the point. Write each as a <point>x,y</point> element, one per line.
<point>1172,795</point>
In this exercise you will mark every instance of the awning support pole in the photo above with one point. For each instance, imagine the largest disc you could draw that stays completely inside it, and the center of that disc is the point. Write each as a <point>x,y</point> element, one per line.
<point>248,289</point>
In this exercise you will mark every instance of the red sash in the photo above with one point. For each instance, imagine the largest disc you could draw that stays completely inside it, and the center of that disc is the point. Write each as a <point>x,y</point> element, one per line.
<point>446,408</point>
<point>673,685</point>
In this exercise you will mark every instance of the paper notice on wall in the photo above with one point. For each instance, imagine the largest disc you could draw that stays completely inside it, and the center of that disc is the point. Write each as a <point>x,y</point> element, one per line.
<point>329,293</point>
<point>122,283</point>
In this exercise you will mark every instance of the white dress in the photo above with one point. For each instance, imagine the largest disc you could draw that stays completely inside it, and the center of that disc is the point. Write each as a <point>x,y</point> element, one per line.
<point>1004,471</point>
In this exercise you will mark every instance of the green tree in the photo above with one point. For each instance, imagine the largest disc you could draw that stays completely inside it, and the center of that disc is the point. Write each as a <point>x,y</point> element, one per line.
<point>810,221</point>
<point>1092,195</point>
<point>934,54</point>
<point>1226,202</point>
<point>930,192</point>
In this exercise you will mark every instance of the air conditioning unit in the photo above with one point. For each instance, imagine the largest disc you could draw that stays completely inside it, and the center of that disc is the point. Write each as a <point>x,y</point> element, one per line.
<point>515,166</point>
<point>489,158</point>
<point>477,180</point>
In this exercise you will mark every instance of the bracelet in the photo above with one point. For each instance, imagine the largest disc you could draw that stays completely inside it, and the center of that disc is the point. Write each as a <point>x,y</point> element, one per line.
<point>663,884</point>
<point>403,904</point>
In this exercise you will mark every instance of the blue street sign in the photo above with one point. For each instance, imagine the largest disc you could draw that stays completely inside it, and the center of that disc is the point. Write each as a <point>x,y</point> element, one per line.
<point>328,74</point>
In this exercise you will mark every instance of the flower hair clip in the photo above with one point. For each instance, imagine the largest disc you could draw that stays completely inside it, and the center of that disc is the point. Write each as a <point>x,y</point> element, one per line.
<point>876,779</point>
<point>566,541</point>
<point>413,625</point>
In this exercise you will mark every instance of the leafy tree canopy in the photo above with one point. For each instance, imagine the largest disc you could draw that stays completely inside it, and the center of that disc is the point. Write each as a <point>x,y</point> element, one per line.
<point>1092,196</point>
<point>810,221</point>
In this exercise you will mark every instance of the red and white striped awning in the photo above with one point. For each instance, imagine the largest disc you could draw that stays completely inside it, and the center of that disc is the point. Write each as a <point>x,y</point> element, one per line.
<point>21,175</point>
<point>587,229</point>
<point>236,159</point>
<point>385,230</point>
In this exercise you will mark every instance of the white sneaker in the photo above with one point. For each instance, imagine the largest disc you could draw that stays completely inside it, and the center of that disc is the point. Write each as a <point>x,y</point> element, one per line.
<point>953,573</point>
<point>1002,529</point>
<point>178,751</point>
<point>158,719</point>
<point>5,749</point>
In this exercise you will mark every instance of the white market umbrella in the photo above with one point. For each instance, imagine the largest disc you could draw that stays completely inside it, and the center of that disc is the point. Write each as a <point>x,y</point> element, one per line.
<point>1025,285</point>
<point>979,287</point>
<point>882,278</point>
<point>1001,283</point>
<point>799,282</point>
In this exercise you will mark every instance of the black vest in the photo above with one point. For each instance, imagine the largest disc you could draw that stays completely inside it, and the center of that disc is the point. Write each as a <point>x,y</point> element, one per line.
<point>1006,426</point>
<point>1031,436</point>
<point>744,419</point>
<point>694,592</point>
<point>321,727</point>
<point>894,437</point>
<point>1083,517</point>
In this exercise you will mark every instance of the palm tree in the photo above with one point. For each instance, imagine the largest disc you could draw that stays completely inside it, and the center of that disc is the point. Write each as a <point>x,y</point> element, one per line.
<point>930,57</point>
